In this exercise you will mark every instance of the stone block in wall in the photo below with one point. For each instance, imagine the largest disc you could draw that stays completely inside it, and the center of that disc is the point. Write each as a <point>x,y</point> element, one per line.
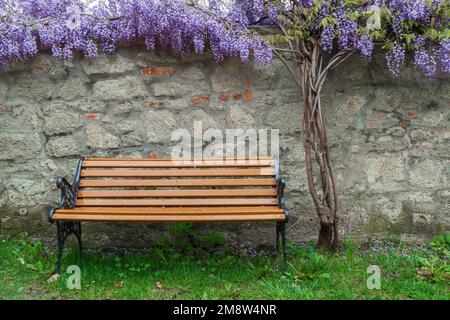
<point>206,120</point>
<point>31,88</point>
<point>63,146</point>
<point>127,125</point>
<point>380,120</point>
<point>292,149</point>
<point>263,77</point>
<point>441,150</point>
<point>159,125</point>
<point>426,174</point>
<point>389,208</point>
<point>19,146</point>
<point>3,91</point>
<point>193,73</point>
<point>25,191</point>
<point>295,177</point>
<point>344,113</point>
<point>124,88</point>
<point>387,143</point>
<point>107,64</point>
<point>132,139</point>
<point>240,117</point>
<point>227,77</point>
<point>385,172</point>
<point>171,89</point>
<point>287,118</point>
<point>91,105</point>
<point>45,65</point>
<point>387,99</point>
<point>60,118</point>
<point>99,136</point>
<point>75,86</point>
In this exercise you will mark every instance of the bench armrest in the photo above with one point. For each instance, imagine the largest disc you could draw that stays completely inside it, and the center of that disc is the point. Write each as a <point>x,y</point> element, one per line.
<point>280,192</point>
<point>68,194</point>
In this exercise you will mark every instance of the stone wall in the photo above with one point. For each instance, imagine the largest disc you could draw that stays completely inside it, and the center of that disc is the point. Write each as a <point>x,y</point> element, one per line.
<point>390,138</point>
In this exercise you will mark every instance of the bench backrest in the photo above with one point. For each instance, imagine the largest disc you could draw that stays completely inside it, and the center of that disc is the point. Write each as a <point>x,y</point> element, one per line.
<point>168,183</point>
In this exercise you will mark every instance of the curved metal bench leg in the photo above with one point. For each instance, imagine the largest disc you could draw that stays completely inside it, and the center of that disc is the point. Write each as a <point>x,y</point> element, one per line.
<point>61,239</point>
<point>63,230</point>
<point>278,237</point>
<point>283,243</point>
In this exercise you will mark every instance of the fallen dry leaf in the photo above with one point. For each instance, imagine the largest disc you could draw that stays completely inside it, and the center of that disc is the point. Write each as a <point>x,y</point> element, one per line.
<point>425,272</point>
<point>53,278</point>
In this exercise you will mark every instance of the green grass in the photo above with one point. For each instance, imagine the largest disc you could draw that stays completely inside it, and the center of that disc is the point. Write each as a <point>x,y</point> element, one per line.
<point>200,274</point>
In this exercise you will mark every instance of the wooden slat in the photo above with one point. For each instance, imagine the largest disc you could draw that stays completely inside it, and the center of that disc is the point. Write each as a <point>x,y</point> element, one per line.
<point>171,210</point>
<point>176,164</point>
<point>172,159</point>
<point>176,193</point>
<point>177,202</point>
<point>176,183</point>
<point>180,173</point>
<point>169,218</point>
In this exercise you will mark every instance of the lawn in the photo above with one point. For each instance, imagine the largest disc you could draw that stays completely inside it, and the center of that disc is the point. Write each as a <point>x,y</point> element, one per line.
<point>177,269</point>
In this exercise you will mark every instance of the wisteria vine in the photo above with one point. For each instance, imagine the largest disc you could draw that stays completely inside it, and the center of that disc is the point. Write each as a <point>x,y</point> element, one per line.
<point>69,26</point>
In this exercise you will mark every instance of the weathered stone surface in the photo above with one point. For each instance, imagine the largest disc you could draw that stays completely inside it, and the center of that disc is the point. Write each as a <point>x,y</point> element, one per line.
<point>426,173</point>
<point>60,118</point>
<point>200,118</point>
<point>276,118</point>
<point>131,139</point>
<point>63,146</point>
<point>353,70</point>
<point>193,73</point>
<point>107,64</point>
<point>159,125</point>
<point>75,86</point>
<point>127,125</point>
<point>293,149</point>
<point>227,77</point>
<point>390,208</point>
<point>170,89</point>
<point>100,137</point>
<point>30,88</point>
<point>389,139</point>
<point>19,146</point>
<point>380,120</point>
<point>3,91</point>
<point>344,113</point>
<point>388,143</point>
<point>120,89</point>
<point>46,65</point>
<point>384,172</point>
<point>241,118</point>
<point>91,106</point>
<point>262,77</point>
<point>387,99</point>
<point>124,108</point>
<point>23,192</point>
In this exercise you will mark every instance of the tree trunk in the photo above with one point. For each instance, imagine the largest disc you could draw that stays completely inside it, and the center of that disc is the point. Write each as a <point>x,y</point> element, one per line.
<point>322,185</point>
<point>322,181</point>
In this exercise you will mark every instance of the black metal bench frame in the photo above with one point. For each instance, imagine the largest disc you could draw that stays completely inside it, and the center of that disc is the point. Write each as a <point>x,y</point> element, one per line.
<point>68,199</point>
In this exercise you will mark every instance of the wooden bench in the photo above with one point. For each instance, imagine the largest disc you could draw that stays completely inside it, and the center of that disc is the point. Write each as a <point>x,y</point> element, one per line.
<point>164,190</point>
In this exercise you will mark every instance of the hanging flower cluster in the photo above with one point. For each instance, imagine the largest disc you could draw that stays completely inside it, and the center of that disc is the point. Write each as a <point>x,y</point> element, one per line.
<point>418,26</point>
<point>69,26</point>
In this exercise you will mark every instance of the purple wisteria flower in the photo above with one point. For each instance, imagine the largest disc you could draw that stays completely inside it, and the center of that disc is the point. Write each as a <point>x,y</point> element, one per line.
<point>227,28</point>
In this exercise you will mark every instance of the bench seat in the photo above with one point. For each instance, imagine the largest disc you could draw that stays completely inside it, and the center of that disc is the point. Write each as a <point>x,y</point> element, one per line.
<point>165,190</point>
